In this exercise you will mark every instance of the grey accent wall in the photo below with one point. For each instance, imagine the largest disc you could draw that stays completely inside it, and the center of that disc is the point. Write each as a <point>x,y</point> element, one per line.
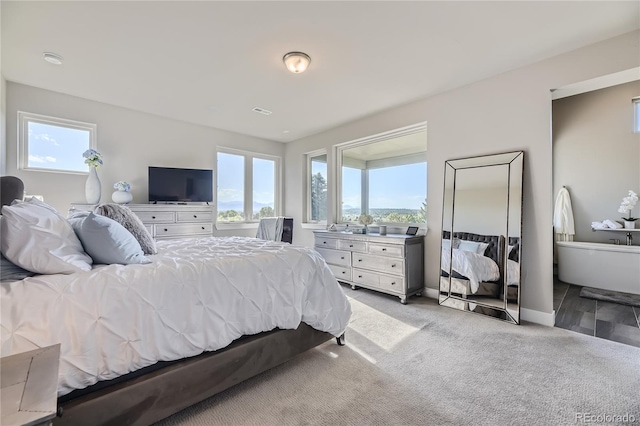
<point>507,112</point>
<point>129,141</point>
<point>596,155</point>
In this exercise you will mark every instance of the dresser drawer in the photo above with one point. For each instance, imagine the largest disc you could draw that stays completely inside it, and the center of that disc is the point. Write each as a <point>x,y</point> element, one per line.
<point>386,250</point>
<point>392,283</point>
<point>335,257</point>
<point>195,217</point>
<point>183,229</point>
<point>156,217</point>
<point>341,272</point>
<point>356,246</point>
<point>365,277</point>
<point>330,243</point>
<point>379,263</point>
<point>150,229</point>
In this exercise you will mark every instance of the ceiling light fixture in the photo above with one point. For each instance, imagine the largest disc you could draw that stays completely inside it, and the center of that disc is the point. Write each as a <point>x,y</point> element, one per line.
<point>296,62</point>
<point>52,58</point>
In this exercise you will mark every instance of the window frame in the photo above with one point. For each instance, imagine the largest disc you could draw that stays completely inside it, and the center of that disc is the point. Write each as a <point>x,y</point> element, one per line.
<point>636,107</point>
<point>380,137</point>
<point>308,169</point>
<point>248,187</point>
<point>24,118</point>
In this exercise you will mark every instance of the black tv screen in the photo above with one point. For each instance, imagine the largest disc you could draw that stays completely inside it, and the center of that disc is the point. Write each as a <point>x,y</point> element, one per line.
<point>180,185</point>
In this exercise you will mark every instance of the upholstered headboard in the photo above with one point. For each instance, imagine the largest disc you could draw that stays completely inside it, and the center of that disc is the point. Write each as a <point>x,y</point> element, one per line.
<point>11,188</point>
<point>287,230</point>
<point>494,251</point>
<point>514,254</point>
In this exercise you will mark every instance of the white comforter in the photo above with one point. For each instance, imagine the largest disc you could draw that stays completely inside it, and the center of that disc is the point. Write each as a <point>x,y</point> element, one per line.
<point>197,295</point>
<point>471,265</point>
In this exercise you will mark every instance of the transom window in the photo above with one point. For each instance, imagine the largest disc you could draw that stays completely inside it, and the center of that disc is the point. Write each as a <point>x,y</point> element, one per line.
<point>53,144</point>
<point>248,186</point>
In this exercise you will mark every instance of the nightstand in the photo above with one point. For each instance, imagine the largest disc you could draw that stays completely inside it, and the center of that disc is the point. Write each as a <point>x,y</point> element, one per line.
<point>29,386</point>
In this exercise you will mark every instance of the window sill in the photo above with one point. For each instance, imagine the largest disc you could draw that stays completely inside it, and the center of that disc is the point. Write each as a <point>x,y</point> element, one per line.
<point>236,225</point>
<point>314,226</point>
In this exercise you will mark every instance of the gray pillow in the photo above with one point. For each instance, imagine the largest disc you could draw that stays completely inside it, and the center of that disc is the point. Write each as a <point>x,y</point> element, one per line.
<point>106,241</point>
<point>125,217</point>
<point>11,272</point>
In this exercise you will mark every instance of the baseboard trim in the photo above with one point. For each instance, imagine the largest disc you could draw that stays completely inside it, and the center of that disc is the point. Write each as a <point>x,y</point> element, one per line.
<point>538,317</point>
<point>431,293</point>
<point>530,315</point>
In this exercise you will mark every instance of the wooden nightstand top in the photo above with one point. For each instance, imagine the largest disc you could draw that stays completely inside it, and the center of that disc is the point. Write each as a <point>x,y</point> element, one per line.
<point>29,386</point>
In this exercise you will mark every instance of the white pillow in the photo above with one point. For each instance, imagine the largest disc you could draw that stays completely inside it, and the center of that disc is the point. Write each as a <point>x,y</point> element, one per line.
<point>446,244</point>
<point>106,241</point>
<point>37,238</point>
<point>473,247</point>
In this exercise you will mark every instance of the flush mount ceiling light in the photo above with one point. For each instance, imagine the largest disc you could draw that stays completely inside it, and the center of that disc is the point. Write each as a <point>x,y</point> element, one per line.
<point>296,62</point>
<point>52,58</point>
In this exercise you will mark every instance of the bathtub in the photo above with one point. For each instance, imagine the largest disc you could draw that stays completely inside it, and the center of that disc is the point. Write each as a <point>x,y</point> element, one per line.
<point>605,266</point>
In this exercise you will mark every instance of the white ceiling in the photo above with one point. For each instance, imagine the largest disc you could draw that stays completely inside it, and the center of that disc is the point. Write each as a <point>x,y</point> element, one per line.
<point>212,62</point>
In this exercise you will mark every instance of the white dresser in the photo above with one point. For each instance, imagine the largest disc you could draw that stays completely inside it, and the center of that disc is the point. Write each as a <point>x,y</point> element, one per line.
<point>170,220</point>
<point>392,264</point>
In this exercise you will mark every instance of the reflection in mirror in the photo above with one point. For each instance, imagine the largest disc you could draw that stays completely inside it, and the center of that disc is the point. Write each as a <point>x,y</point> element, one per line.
<point>386,179</point>
<point>481,235</point>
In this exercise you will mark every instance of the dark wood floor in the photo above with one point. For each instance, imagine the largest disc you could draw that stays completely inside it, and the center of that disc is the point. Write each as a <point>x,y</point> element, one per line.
<point>606,320</point>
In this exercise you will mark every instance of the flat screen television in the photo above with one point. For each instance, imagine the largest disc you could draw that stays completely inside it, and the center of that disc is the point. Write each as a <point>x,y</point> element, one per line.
<point>180,185</point>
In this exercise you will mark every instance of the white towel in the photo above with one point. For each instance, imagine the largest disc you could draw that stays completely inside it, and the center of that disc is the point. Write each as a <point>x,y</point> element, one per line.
<point>598,225</point>
<point>611,224</point>
<point>563,214</point>
<point>270,228</point>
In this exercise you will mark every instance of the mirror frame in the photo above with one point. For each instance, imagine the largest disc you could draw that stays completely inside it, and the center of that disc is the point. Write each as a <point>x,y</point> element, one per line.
<point>509,311</point>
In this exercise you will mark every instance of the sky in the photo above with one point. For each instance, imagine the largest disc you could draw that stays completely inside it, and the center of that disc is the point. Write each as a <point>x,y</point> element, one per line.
<point>47,152</point>
<point>231,181</point>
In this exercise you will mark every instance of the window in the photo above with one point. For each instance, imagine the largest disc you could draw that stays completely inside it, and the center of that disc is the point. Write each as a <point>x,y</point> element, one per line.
<point>385,176</point>
<point>317,187</point>
<point>247,186</point>
<point>636,115</point>
<point>53,144</point>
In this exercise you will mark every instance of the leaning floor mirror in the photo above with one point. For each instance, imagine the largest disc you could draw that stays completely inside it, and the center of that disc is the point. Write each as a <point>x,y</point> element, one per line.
<point>481,235</point>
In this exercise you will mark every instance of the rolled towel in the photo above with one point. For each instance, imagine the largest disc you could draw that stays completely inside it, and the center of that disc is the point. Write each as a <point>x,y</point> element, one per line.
<point>611,224</point>
<point>598,225</point>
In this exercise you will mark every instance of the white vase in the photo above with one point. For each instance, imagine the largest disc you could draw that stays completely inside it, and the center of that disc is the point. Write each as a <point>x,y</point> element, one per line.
<point>629,224</point>
<point>92,189</point>
<point>122,197</point>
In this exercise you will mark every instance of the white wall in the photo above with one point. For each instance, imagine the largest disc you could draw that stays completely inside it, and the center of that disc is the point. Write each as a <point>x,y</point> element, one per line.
<point>508,112</point>
<point>596,155</point>
<point>129,141</point>
<point>3,126</point>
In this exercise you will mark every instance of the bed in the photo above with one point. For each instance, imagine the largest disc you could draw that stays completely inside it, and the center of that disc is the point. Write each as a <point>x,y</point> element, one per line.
<point>477,274</point>
<point>141,342</point>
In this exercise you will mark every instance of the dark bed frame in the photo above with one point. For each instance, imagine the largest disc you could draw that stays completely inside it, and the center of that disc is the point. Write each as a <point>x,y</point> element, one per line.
<point>153,396</point>
<point>494,251</point>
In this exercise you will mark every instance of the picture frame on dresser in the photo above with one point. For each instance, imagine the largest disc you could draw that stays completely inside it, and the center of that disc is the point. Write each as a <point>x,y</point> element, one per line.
<point>391,264</point>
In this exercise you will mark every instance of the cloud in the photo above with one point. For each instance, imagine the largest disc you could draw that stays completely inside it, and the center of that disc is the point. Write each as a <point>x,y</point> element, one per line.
<point>41,159</point>
<point>229,194</point>
<point>46,138</point>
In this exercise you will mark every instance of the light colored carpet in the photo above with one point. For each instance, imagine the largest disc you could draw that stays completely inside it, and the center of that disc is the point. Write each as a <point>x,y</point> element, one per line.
<point>422,364</point>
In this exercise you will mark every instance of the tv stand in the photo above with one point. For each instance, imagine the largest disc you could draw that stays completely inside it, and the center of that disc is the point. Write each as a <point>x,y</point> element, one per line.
<point>166,221</point>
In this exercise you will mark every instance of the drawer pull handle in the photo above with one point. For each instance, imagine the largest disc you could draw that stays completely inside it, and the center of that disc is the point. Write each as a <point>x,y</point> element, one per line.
<point>195,216</point>
<point>359,276</point>
<point>359,260</point>
<point>384,249</point>
<point>393,283</point>
<point>350,245</point>
<point>324,242</point>
<point>341,257</point>
<point>393,266</point>
<point>153,217</point>
<point>203,227</point>
<point>165,229</point>
<point>344,272</point>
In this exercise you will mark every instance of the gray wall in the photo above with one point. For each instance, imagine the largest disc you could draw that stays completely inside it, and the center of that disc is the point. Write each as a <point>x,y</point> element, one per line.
<point>129,141</point>
<point>596,155</point>
<point>3,126</point>
<point>508,112</point>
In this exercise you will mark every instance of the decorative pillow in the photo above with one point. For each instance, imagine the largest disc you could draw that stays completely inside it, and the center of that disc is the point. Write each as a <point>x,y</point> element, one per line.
<point>473,247</point>
<point>11,272</point>
<point>37,238</point>
<point>125,217</point>
<point>446,244</point>
<point>106,241</point>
